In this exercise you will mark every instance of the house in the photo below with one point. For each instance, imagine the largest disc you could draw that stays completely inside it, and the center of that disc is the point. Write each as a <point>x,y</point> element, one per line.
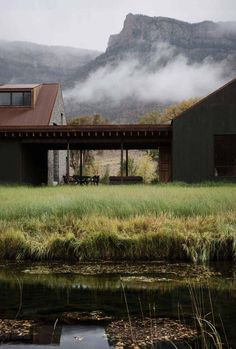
<point>199,145</point>
<point>31,105</point>
<point>204,138</point>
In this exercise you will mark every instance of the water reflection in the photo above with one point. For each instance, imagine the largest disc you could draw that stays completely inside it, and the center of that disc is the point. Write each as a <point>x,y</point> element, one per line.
<point>82,337</point>
<point>74,337</point>
<point>47,294</point>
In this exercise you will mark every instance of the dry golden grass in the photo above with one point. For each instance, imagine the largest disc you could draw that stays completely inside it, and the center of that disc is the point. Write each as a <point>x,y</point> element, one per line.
<point>195,223</point>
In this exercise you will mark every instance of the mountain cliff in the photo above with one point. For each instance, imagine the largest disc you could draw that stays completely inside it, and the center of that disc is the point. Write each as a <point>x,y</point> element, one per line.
<point>152,62</point>
<point>198,40</point>
<point>155,43</point>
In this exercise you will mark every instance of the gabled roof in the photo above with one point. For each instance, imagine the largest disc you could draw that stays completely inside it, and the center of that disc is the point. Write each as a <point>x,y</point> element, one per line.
<point>205,99</point>
<point>37,115</point>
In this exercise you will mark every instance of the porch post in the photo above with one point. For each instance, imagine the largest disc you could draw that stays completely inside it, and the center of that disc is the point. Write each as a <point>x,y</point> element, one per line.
<point>127,162</point>
<point>68,163</point>
<point>165,164</point>
<point>121,160</point>
<point>81,162</point>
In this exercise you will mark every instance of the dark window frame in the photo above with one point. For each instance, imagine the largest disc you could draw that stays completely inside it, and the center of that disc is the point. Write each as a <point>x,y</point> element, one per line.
<point>23,105</point>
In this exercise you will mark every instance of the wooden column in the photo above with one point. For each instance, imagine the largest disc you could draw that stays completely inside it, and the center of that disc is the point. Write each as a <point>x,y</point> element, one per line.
<point>126,162</point>
<point>121,161</point>
<point>165,164</point>
<point>81,162</point>
<point>68,163</point>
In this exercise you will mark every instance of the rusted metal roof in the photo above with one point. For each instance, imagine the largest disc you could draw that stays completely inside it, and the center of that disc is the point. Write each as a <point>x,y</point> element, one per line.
<point>38,115</point>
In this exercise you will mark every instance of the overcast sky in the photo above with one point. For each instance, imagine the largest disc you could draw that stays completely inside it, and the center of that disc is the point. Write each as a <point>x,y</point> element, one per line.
<point>88,23</point>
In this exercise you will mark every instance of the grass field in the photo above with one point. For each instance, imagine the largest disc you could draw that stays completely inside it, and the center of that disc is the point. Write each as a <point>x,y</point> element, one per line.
<point>196,223</point>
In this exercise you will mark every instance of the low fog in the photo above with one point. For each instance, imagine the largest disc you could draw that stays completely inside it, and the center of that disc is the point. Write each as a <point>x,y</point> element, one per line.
<point>176,80</point>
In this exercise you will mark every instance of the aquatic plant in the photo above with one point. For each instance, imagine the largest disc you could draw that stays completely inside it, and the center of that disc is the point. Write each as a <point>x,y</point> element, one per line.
<point>205,323</point>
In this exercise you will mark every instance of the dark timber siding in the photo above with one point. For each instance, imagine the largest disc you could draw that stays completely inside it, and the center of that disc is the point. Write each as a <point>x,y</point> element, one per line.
<point>10,162</point>
<point>193,135</point>
<point>23,164</point>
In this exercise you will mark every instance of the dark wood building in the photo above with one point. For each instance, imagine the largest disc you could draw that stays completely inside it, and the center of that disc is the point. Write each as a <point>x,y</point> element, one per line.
<point>199,145</point>
<point>204,139</point>
<point>30,105</point>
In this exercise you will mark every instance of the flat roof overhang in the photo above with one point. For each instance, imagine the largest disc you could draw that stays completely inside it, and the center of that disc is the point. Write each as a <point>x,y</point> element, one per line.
<point>134,136</point>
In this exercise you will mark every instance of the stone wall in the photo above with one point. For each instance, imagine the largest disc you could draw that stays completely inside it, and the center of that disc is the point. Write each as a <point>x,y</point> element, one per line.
<point>57,158</point>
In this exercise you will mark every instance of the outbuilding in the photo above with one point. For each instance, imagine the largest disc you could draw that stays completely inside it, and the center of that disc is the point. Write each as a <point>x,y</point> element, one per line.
<point>204,139</point>
<point>30,105</point>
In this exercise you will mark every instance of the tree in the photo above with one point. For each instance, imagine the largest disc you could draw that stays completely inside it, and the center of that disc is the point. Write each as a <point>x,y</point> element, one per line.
<point>95,119</point>
<point>105,178</point>
<point>152,117</point>
<point>169,113</point>
<point>146,168</point>
<point>92,169</point>
<point>174,110</point>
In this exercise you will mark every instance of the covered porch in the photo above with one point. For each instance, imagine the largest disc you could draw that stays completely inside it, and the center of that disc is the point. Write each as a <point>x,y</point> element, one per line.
<point>96,137</point>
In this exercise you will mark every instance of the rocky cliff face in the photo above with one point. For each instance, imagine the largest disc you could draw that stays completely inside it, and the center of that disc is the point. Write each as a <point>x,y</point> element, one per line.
<point>141,35</point>
<point>145,32</point>
<point>154,42</point>
<point>122,82</point>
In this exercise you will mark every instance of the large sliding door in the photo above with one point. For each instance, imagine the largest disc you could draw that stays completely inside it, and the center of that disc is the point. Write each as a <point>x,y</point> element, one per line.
<point>225,157</point>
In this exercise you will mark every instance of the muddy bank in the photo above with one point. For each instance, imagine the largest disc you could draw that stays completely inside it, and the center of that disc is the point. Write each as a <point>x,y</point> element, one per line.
<point>142,333</point>
<point>136,333</point>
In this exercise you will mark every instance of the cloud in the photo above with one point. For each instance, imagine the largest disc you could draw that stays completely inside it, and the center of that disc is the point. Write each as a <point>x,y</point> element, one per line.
<point>166,78</point>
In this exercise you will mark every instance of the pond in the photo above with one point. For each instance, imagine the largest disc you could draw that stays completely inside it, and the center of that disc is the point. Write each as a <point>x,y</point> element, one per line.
<point>76,306</point>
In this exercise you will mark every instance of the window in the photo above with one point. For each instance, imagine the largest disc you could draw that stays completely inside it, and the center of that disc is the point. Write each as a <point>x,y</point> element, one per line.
<point>27,98</point>
<point>15,98</point>
<point>5,98</point>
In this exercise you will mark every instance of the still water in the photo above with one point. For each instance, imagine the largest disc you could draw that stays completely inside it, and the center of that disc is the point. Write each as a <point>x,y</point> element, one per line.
<point>53,295</point>
<point>71,337</point>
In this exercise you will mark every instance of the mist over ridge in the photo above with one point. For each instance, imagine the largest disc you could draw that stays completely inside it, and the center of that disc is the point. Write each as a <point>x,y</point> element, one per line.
<point>168,82</point>
<point>152,62</point>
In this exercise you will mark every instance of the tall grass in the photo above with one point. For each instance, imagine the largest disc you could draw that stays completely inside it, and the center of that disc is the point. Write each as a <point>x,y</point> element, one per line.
<point>116,201</point>
<point>206,322</point>
<point>197,239</point>
<point>195,223</point>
